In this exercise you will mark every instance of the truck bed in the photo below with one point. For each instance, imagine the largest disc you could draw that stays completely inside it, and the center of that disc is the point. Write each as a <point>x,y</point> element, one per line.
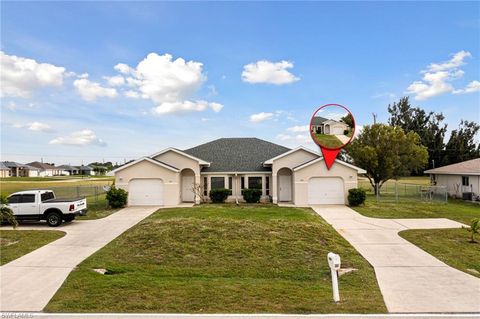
<point>61,200</point>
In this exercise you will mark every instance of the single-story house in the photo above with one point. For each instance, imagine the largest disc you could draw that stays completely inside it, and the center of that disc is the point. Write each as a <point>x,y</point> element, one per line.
<point>85,170</point>
<point>22,170</point>
<point>297,176</point>
<point>67,170</point>
<point>4,170</point>
<point>321,125</point>
<point>45,169</point>
<point>459,178</point>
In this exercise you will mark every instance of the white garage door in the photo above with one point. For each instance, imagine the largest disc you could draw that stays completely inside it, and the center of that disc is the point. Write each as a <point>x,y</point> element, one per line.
<point>145,192</point>
<point>337,130</point>
<point>326,190</point>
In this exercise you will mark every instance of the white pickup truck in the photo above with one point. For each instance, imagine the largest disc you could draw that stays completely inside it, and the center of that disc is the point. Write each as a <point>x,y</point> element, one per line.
<point>42,205</point>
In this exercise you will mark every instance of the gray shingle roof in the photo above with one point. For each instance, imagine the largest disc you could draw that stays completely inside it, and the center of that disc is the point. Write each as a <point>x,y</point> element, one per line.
<point>236,154</point>
<point>318,120</point>
<point>40,165</point>
<point>471,167</point>
<point>3,166</point>
<point>20,165</point>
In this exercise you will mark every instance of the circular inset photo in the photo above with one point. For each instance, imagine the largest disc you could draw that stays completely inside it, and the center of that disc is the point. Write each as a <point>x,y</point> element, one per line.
<point>332,126</point>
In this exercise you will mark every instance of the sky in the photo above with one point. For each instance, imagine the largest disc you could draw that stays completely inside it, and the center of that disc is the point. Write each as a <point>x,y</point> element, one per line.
<point>114,81</point>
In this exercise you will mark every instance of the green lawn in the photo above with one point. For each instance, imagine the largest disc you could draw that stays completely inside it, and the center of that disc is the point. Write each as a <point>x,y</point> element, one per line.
<point>222,258</point>
<point>451,246</point>
<point>97,208</point>
<point>11,186</point>
<point>328,140</point>
<point>16,243</point>
<point>455,209</point>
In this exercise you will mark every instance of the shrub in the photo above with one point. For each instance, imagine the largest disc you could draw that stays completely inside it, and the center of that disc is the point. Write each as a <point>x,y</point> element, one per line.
<point>219,195</point>
<point>356,196</point>
<point>6,214</point>
<point>473,229</point>
<point>345,132</point>
<point>252,195</point>
<point>117,197</point>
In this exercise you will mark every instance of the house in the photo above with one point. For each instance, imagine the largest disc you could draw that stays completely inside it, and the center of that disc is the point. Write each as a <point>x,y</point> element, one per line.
<point>21,170</point>
<point>459,178</point>
<point>321,125</point>
<point>67,170</point>
<point>85,170</point>
<point>298,176</point>
<point>45,169</point>
<point>4,170</point>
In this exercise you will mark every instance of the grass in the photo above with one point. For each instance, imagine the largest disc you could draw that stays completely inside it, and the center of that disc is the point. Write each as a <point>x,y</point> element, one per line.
<point>97,208</point>
<point>451,246</point>
<point>221,258</point>
<point>329,141</point>
<point>16,243</point>
<point>12,186</point>
<point>457,210</point>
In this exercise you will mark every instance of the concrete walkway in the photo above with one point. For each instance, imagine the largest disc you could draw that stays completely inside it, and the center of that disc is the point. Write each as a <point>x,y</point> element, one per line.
<point>410,279</point>
<point>343,138</point>
<point>29,282</point>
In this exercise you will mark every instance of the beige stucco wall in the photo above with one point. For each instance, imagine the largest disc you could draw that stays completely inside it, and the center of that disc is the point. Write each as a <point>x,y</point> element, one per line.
<point>319,169</point>
<point>145,169</point>
<point>450,181</point>
<point>290,161</point>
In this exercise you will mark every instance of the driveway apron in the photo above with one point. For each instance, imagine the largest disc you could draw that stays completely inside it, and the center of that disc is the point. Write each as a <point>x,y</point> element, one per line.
<point>29,282</point>
<point>410,279</point>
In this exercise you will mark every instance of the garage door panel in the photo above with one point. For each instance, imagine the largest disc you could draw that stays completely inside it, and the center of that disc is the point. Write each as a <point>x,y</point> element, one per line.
<point>145,192</point>
<point>326,190</point>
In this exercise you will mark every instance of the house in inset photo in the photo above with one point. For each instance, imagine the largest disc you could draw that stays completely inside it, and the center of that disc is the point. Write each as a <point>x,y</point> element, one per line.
<point>321,125</point>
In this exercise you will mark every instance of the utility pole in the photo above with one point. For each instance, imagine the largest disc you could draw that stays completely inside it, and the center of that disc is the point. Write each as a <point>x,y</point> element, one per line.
<point>374,118</point>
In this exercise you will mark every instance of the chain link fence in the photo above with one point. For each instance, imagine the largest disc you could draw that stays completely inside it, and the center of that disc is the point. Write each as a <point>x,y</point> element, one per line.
<point>93,192</point>
<point>393,191</point>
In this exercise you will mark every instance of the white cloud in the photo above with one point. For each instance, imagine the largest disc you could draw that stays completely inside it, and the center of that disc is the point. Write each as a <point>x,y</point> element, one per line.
<point>21,76</point>
<point>186,106</point>
<point>80,138</point>
<point>90,91</point>
<point>473,86</point>
<point>260,117</point>
<point>123,68</point>
<point>296,139</point>
<point>116,80</point>
<point>299,128</point>
<point>437,78</point>
<point>131,94</point>
<point>36,127</point>
<point>268,72</point>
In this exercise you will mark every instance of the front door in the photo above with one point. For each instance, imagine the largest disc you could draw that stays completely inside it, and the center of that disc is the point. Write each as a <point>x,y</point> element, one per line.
<point>187,188</point>
<point>285,188</point>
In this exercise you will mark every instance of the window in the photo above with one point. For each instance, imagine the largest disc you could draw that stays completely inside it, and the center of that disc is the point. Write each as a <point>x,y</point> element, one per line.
<point>28,198</point>
<point>217,182</point>
<point>255,182</point>
<point>465,181</point>
<point>14,199</point>
<point>242,182</point>
<point>267,185</point>
<point>205,186</point>
<point>47,196</point>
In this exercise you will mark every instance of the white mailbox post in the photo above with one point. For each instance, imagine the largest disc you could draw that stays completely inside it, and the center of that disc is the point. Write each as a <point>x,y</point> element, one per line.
<point>334,263</point>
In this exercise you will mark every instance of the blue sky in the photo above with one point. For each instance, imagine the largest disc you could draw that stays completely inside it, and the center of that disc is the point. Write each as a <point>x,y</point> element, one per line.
<point>118,80</point>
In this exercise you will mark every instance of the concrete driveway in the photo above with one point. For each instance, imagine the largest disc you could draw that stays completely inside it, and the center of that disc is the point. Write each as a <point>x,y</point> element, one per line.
<point>343,138</point>
<point>29,282</point>
<point>410,279</point>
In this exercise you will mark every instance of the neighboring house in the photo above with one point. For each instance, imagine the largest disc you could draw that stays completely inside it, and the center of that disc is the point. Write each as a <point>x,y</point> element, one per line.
<point>21,170</point>
<point>459,178</point>
<point>321,125</point>
<point>67,170</point>
<point>45,169</point>
<point>4,170</point>
<point>85,170</point>
<point>298,176</point>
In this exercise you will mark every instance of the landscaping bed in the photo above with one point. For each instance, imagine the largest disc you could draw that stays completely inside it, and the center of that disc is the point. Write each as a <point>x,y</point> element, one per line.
<point>16,243</point>
<point>222,259</point>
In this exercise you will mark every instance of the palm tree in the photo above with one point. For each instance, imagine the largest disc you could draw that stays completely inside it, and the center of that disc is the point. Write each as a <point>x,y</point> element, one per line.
<point>6,214</point>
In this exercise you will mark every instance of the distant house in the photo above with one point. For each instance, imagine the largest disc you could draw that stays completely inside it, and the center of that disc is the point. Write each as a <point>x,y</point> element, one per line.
<point>86,170</point>
<point>321,125</point>
<point>21,170</point>
<point>45,169</point>
<point>68,170</point>
<point>459,178</point>
<point>4,170</point>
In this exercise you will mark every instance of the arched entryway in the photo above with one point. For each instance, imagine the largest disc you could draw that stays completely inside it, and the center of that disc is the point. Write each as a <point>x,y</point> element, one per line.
<point>284,185</point>
<point>187,178</point>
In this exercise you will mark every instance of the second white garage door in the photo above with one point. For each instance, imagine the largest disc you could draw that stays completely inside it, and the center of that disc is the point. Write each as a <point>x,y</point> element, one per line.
<point>326,190</point>
<point>338,130</point>
<point>145,192</point>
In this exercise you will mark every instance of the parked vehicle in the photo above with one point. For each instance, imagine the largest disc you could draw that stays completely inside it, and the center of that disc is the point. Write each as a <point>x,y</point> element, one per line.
<point>43,205</point>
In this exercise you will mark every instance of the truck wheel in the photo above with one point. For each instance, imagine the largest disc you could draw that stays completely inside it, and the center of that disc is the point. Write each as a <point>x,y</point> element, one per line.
<point>54,219</point>
<point>68,219</point>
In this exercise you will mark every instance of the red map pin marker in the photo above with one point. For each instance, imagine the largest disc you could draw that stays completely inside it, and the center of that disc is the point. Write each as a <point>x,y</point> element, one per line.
<point>332,127</point>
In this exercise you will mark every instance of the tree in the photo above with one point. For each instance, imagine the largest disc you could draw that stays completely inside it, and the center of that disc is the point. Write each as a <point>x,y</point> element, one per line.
<point>386,152</point>
<point>461,145</point>
<point>473,229</point>
<point>6,214</point>
<point>428,126</point>
<point>348,119</point>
